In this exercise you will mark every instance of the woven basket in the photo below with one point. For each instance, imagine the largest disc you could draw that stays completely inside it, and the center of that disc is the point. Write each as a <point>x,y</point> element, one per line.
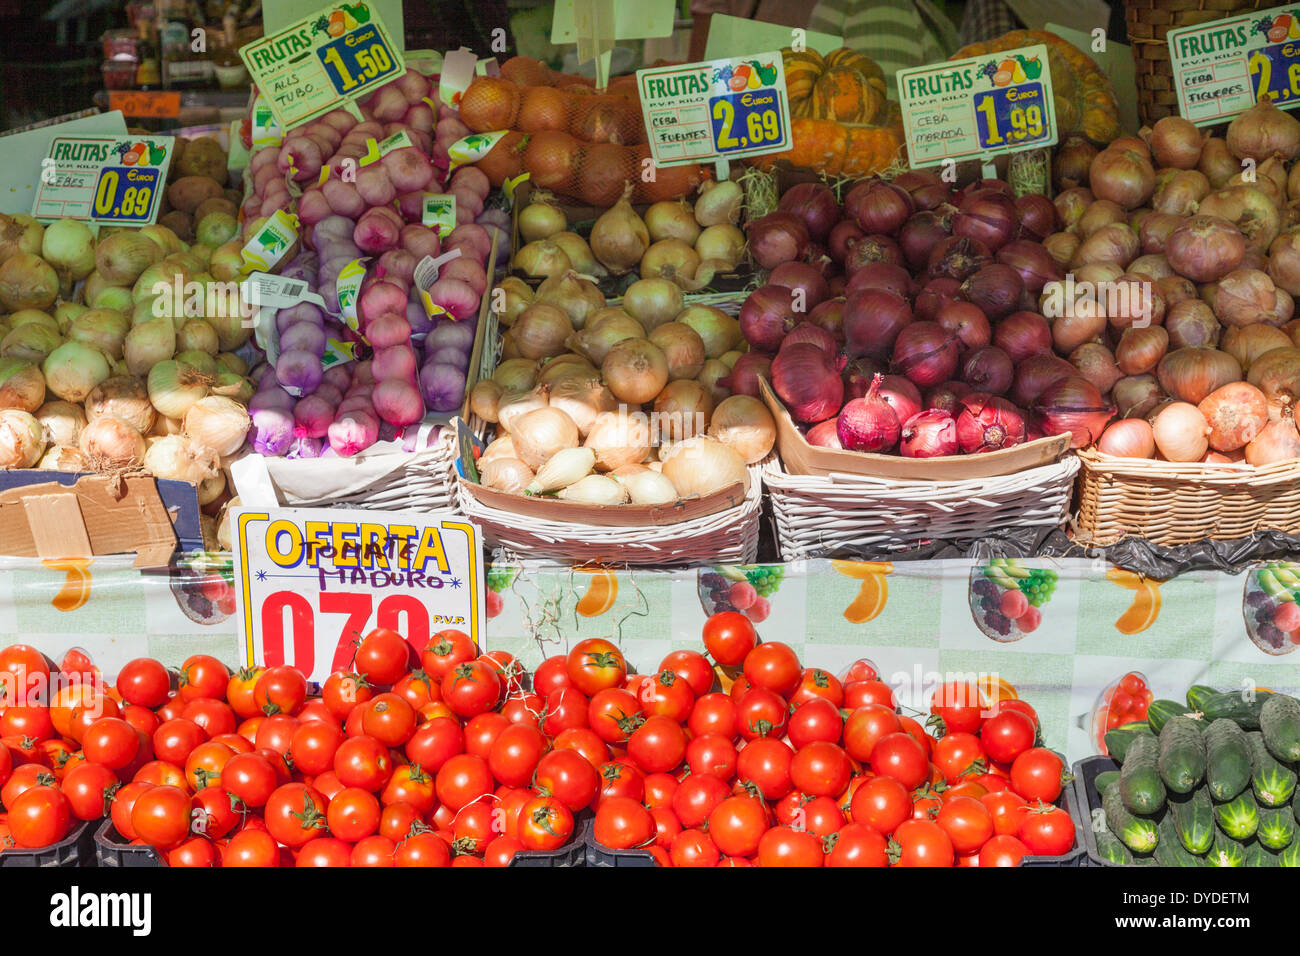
<point>854,515</point>
<point>1175,503</point>
<point>728,537</point>
<point>1149,23</point>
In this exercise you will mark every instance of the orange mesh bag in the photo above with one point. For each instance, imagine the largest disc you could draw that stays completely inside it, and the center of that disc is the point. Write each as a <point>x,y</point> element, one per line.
<point>493,103</point>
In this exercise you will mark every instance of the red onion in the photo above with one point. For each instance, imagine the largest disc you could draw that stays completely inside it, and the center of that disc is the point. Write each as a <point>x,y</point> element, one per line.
<point>988,370</point>
<point>937,293</point>
<point>843,235</point>
<point>929,434</point>
<point>979,185</point>
<point>824,434</point>
<point>987,423</point>
<point>882,275</point>
<point>995,289</point>
<point>926,353</point>
<point>903,397</point>
<point>801,276</point>
<point>766,316</point>
<point>914,179</point>
<point>873,320</point>
<point>815,204</point>
<point>966,321</point>
<point>745,374</point>
<point>868,423</point>
<point>1098,365</point>
<point>807,332</point>
<point>957,257</point>
<point>808,381</point>
<point>1023,334</point>
<point>1071,205</point>
<point>1073,406</point>
<point>829,315</point>
<point>776,238</point>
<point>858,375</point>
<point>878,207</point>
<point>835,285</point>
<point>927,189</point>
<point>1205,248</point>
<point>1032,262</point>
<point>986,215</point>
<point>919,235</point>
<point>945,397</point>
<point>871,249</point>
<point>1036,216</point>
<point>1035,374</point>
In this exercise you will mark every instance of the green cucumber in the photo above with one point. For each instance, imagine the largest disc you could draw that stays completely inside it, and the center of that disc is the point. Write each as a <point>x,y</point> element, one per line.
<point>1182,755</point>
<point>1236,706</point>
<point>1105,779</point>
<point>1112,850</point>
<point>1227,759</point>
<point>1170,850</point>
<point>1159,712</point>
<point>1119,739</point>
<point>1198,694</point>
<point>1272,782</point>
<point>1239,817</point>
<point>1140,786</point>
<point>1193,816</point>
<point>1137,833</point>
<point>1289,856</point>
<point>1258,855</point>
<point>1279,721</point>
<point>1226,852</point>
<point>1276,828</point>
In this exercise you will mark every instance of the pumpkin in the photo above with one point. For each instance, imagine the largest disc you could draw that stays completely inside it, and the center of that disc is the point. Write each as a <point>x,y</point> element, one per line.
<point>801,72</point>
<point>843,94</point>
<point>1083,96</point>
<point>844,85</point>
<point>854,60</point>
<point>838,150</point>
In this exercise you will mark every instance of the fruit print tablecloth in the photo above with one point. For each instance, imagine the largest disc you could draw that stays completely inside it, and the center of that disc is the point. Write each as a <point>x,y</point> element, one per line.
<point>1080,640</point>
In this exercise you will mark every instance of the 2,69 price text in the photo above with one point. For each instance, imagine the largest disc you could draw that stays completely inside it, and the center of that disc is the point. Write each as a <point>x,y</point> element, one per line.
<point>746,120</point>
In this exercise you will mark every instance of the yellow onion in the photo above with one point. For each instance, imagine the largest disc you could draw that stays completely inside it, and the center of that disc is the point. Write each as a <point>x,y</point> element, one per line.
<point>682,410</point>
<point>505,474</point>
<point>69,246</point>
<point>646,487</point>
<point>199,360</point>
<point>619,438</point>
<point>541,433</point>
<point>124,397</point>
<point>619,238</point>
<point>721,332</point>
<point>541,218</point>
<point>1277,441</point>
<point>513,406</point>
<point>580,255</point>
<point>19,233</point>
<point>670,259</point>
<point>723,242</point>
<point>110,443</point>
<point>636,370</point>
<point>1277,374</point>
<point>701,465</point>
<point>578,297</point>
<point>22,440</point>
<point>719,203</point>
<point>744,424</point>
<point>517,374</point>
<point>217,423</point>
<point>232,362</point>
<point>1190,374</point>
<point>32,342</point>
<point>540,330</point>
<point>501,447</point>
<point>652,302</point>
<point>682,347</point>
<point>35,317</point>
<point>1236,414</point>
<point>483,398</point>
<point>149,343</point>
<point>564,366</point>
<point>74,369</point>
<point>180,459</point>
<point>714,373</point>
<point>104,329</point>
<point>518,295</point>
<point>1248,342</point>
<point>210,489</point>
<point>175,385</point>
<point>61,421</point>
<point>603,331</point>
<point>197,335</point>
<point>121,258</point>
<point>582,397</point>
<point>27,282</point>
<point>63,458</point>
<point>1263,131</point>
<point>542,258</point>
<point>1181,432</point>
<point>1129,438</point>
<point>595,490</point>
<point>672,219</point>
<point>22,386</point>
<point>226,261</point>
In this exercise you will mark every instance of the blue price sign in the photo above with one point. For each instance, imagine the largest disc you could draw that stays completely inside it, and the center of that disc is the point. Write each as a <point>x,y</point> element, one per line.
<point>743,121</point>
<point>1275,72</point>
<point>357,59</point>
<point>1013,116</point>
<point>125,194</point>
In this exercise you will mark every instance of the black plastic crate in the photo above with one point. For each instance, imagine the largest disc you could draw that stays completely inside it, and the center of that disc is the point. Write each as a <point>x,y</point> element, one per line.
<point>1075,857</point>
<point>111,850</point>
<point>76,849</point>
<point>573,853</point>
<point>1087,801</point>
<point>600,855</point>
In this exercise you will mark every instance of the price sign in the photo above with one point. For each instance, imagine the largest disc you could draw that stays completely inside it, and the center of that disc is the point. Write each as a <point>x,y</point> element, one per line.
<point>1223,68</point>
<point>978,107</point>
<point>723,108</point>
<point>107,180</point>
<point>309,583</point>
<point>340,53</point>
<point>154,104</point>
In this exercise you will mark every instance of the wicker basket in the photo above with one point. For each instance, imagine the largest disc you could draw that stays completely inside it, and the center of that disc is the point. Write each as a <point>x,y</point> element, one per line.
<point>1174,503</point>
<point>1149,23</point>
<point>855,515</point>
<point>727,537</point>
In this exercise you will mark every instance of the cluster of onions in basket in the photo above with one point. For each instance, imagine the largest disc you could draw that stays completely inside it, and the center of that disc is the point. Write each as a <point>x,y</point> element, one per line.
<point>626,404</point>
<point>908,321</point>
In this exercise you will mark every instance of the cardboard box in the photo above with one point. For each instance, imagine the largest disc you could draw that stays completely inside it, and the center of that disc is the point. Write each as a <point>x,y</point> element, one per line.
<point>801,458</point>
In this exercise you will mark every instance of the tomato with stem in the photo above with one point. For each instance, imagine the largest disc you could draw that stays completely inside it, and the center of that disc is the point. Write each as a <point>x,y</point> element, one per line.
<point>545,823</point>
<point>295,814</point>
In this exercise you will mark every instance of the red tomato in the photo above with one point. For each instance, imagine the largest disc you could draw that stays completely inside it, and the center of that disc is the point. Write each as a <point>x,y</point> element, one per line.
<point>418,688</point>
<point>1020,707</point>
<point>816,683</point>
<point>967,822</point>
<point>295,814</point>
<point>623,824</point>
<point>40,817</point>
<point>1047,831</point>
<point>922,843</point>
<point>410,784</point>
<point>523,707</point>
<point>325,851</point>
<point>203,676</point>
<point>112,742</point>
<point>89,788</point>
<point>501,850</point>
<point>613,714</point>
<point>697,797</point>
<point>251,778</point>
<point>162,774</point>
<point>389,719</point>
<point>667,826</point>
<point>545,823</point>
<point>280,690</point>
<point>857,844</point>
<point>691,666</point>
<point>882,803</point>
<point>214,716</point>
<point>314,745</point>
<point>508,669</point>
<point>481,731</point>
<point>729,636</point>
<point>174,739</point>
<point>565,709</point>
<point>864,692</point>
<point>462,780</point>
<point>766,764</point>
<point>659,790</point>
<point>693,848</point>
<point>959,705</point>
<point>713,714</point>
<point>212,813</point>
<point>619,778</point>
<point>712,754</point>
<point>161,816</point>
<point>514,754</point>
<point>435,742</point>
<point>775,666</point>
<point>251,848</point>
<point>397,819</point>
<point>204,765</point>
<point>914,730</point>
<point>472,827</point>
<point>240,690</point>
<point>26,720</point>
<point>276,733</point>
<point>1038,774</point>
<point>363,762</point>
<point>383,656</point>
<point>373,851</point>
<point>761,713</point>
<point>1007,734</point>
<point>1003,850</point>
<point>821,769</point>
<point>569,777</point>
<point>471,688</point>
<point>445,650</point>
<point>866,726</point>
<point>819,815</point>
<point>658,745</point>
<point>667,695</point>
<point>422,849</point>
<point>959,755</point>
<point>551,675</point>
<point>122,805</point>
<point>784,846</point>
<point>343,690</point>
<point>144,681</point>
<point>897,755</point>
<point>861,669</point>
<point>26,672</point>
<point>595,665</point>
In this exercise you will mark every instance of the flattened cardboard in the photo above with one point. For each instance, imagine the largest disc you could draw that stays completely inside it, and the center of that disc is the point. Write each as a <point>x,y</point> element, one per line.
<point>57,527</point>
<point>801,458</point>
<point>132,519</point>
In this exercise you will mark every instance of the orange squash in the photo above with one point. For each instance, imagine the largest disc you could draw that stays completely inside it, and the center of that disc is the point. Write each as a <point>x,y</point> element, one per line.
<point>843,94</point>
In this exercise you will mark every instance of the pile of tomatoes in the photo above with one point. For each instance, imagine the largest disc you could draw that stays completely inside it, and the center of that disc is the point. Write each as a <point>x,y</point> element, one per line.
<point>444,756</point>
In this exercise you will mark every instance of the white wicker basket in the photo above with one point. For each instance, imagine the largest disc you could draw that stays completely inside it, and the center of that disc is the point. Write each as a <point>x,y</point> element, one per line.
<point>728,537</point>
<point>820,516</point>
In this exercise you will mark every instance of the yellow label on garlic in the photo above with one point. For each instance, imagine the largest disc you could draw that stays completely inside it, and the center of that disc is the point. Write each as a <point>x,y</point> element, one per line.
<point>270,245</point>
<point>349,289</point>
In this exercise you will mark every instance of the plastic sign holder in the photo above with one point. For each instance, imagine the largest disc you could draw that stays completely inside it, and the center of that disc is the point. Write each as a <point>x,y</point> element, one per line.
<point>978,108</point>
<point>595,25</point>
<point>716,111</point>
<point>323,62</point>
<point>1225,67</point>
<point>105,180</point>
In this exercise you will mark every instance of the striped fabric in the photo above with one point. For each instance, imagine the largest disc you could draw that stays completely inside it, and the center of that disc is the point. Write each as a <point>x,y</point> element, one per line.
<point>986,19</point>
<point>895,33</point>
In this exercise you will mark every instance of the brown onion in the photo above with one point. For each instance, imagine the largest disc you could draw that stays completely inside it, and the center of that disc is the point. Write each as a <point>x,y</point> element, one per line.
<point>1248,343</point>
<point>1176,142</point>
<point>1277,374</point>
<point>1191,323</point>
<point>1244,297</point>
<point>1102,212</point>
<point>1135,395</point>
<point>1262,131</point>
<point>1070,205</point>
<point>1133,300</point>
<point>1217,162</point>
<point>1236,414</point>
<point>1062,246</point>
<point>1205,248</point>
<point>1140,350</point>
<point>1096,363</point>
<point>1122,175</point>
<point>1181,432</point>
<point>1175,289</point>
<point>1154,267</point>
<point>1277,441</point>
<point>1082,322</point>
<point>1070,167</point>
<point>1250,210</point>
<point>1154,231</point>
<point>1190,374</point>
<point>1128,438</point>
<point>1284,262</point>
<point>1115,243</point>
<point>1179,193</point>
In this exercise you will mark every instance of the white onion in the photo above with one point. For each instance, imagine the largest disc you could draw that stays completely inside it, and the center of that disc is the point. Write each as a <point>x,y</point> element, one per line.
<point>149,343</point>
<point>502,447</point>
<point>22,440</point>
<point>513,406</point>
<point>582,397</point>
<point>110,443</point>
<point>69,246</point>
<point>22,385</point>
<point>1181,432</point>
<point>33,342</point>
<point>744,424</point>
<point>646,487</point>
<point>63,458</point>
<point>124,397</point>
<point>724,242</point>
<point>73,369</point>
<point>174,386</point>
<point>595,490</point>
<point>541,433</point>
<point>61,422</point>
<point>701,466</point>
<point>653,302</point>
<point>505,474</point>
<point>178,458</point>
<point>217,423</point>
<point>618,438</point>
